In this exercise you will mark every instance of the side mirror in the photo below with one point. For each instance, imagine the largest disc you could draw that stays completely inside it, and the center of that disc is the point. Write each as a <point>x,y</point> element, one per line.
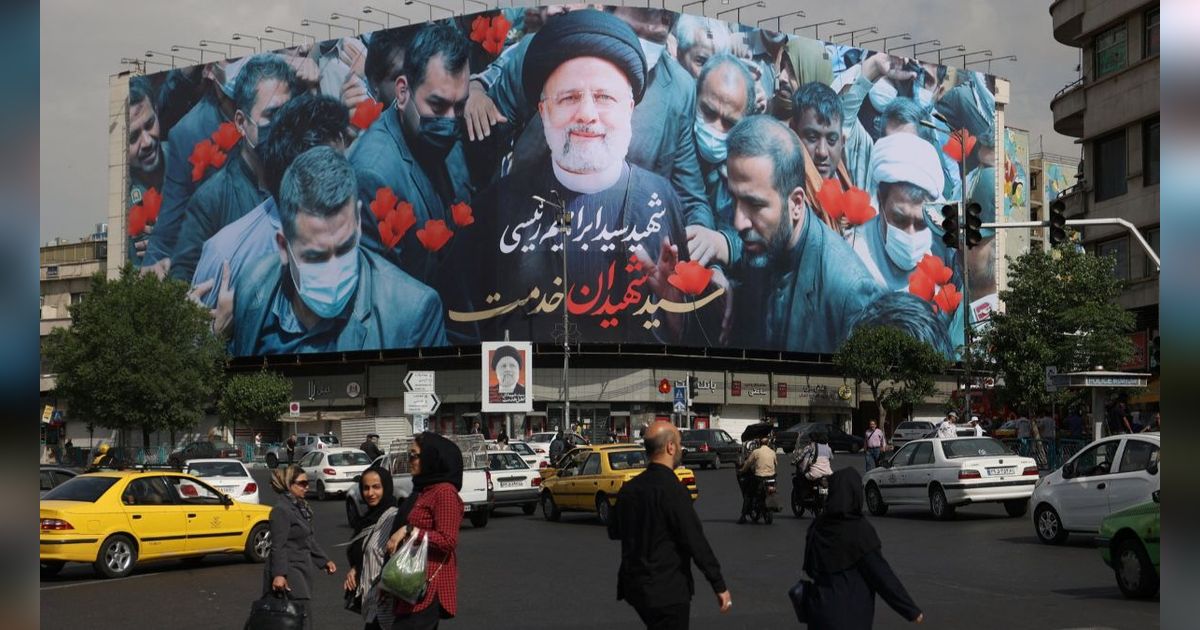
<point>226,499</point>
<point>1155,495</point>
<point>1068,471</point>
<point>886,463</point>
<point>1152,468</point>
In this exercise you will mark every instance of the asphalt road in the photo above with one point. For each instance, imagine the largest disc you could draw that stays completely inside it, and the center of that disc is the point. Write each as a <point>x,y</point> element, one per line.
<point>982,570</point>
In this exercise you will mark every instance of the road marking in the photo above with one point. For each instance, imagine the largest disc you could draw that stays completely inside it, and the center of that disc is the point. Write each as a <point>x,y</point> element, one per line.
<point>88,583</point>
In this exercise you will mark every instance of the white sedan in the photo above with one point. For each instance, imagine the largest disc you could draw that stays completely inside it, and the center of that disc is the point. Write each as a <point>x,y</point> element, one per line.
<point>227,475</point>
<point>531,457</point>
<point>1107,476</point>
<point>516,484</point>
<point>944,474</point>
<point>334,470</point>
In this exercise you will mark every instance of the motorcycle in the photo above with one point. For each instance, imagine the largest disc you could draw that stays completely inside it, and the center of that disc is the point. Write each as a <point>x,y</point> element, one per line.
<point>760,502</point>
<point>808,494</point>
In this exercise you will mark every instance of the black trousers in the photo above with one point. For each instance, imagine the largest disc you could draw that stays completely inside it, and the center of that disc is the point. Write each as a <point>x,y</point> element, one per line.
<point>673,617</point>
<point>427,619</point>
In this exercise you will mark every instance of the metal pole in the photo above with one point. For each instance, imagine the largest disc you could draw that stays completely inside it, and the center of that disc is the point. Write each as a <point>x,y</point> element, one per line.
<point>962,249</point>
<point>565,228</point>
<point>1113,221</point>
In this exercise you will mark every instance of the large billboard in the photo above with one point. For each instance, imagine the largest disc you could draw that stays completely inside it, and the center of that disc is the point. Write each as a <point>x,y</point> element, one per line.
<point>664,178</point>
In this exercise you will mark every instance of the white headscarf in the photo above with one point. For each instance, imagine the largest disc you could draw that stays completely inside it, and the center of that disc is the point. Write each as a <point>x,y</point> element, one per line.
<point>906,157</point>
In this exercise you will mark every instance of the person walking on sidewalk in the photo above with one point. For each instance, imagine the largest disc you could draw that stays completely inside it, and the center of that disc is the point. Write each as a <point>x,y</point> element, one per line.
<point>873,442</point>
<point>661,536</point>
<point>295,555</point>
<point>842,556</point>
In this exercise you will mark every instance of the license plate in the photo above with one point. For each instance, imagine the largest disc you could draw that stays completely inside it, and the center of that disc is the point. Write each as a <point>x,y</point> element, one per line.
<point>228,489</point>
<point>1003,470</point>
<point>510,484</point>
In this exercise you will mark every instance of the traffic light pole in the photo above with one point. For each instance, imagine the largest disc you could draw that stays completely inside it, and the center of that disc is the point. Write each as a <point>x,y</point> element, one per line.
<point>1131,228</point>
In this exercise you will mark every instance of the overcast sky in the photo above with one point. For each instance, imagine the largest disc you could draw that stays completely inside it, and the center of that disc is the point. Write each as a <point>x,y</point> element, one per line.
<point>83,41</point>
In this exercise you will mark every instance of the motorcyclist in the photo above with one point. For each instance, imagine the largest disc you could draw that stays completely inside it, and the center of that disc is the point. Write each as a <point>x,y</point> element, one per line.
<point>814,460</point>
<point>758,468</point>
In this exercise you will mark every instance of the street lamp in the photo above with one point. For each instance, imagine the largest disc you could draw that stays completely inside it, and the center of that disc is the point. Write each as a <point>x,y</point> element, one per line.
<point>272,29</point>
<point>335,15</point>
<point>228,45</point>
<point>854,33</point>
<point>139,65</point>
<point>486,7</point>
<point>389,14</point>
<point>151,53</point>
<point>939,51</point>
<point>885,38</point>
<point>817,27</point>
<point>179,47</point>
<point>779,19</point>
<point>564,228</point>
<point>699,2</point>
<point>935,42</point>
<point>328,26</point>
<point>260,40</point>
<point>986,53</point>
<point>989,61</point>
<point>760,4</point>
<point>431,7</point>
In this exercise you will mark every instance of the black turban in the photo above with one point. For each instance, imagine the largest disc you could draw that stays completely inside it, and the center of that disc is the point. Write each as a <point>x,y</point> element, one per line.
<point>505,351</point>
<point>588,33</point>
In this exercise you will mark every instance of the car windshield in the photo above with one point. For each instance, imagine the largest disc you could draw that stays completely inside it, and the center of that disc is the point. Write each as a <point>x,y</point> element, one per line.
<point>521,448</point>
<point>87,489</point>
<point>506,461</point>
<point>217,469</point>
<point>978,447</point>
<point>222,445</point>
<point>625,460</point>
<point>329,439</point>
<point>357,458</point>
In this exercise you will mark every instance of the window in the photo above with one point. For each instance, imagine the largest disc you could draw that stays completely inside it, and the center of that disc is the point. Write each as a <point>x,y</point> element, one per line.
<point>1150,47</point>
<point>217,469</point>
<point>979,447</point>
<point>903,455</point>
<point>76,298</point>
<point>195,492</point>
<point>1094,461</point>
<point>1137,456</point>
<point>349,458</point>
<point>1109,166</point>
<point>87,489</point>
<point>1111,51</point>
<point>1118,249</point>
<point>1152,238</point>
<point>923,455</point>
<point>592,465</point>
<point>506,461</point>
<point>46,483</point>
<point>148,491</point>
<point>1150,153</point>
<point>625,460</point>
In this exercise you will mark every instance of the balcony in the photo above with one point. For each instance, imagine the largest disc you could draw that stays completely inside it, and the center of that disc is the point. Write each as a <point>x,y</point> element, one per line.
<point>1068,107</point>
<point>1067,18</point>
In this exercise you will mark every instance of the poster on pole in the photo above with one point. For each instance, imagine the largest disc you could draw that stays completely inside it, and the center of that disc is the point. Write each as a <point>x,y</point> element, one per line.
<point>507,375</point>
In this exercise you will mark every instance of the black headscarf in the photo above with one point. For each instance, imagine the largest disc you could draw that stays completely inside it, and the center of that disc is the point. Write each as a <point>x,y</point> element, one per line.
<point>587,33</point>
<point>441,462</point>
<point>388,500</point>
<point>840,536</point>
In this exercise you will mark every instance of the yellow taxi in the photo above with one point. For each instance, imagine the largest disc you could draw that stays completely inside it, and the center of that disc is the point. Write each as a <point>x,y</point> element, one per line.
<point>113,520</point>
<point>591,476</point>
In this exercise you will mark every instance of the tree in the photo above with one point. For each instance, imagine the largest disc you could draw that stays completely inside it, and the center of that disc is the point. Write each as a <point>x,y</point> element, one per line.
<point>1060,309</point>
<point>138,354</point>
<point>897,368</point>
<point>254,399</point>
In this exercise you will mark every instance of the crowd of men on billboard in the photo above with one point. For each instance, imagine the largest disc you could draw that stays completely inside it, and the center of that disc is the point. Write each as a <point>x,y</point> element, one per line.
<point>670,138</point>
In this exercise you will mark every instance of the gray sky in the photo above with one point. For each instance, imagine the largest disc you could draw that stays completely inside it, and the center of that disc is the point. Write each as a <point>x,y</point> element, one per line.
<point>83,41</point>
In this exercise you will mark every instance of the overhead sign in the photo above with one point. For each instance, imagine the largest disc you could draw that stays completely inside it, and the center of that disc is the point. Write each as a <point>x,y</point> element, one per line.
<point>506,376</point>
<point>421,403</point>
<point>680,399</point>
<point>420,382</point>
<point>294,409</point>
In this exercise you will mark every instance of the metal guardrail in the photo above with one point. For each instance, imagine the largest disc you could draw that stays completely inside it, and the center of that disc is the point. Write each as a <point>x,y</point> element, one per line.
<point>1049,454</point>
<point>1067,88</point>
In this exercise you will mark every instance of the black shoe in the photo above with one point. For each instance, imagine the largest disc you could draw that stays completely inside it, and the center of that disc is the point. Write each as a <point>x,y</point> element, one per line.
<point>741,520</point>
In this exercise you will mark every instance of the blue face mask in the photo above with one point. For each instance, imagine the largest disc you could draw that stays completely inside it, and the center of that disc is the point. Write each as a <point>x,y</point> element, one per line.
<point>326,287</point>
<point>710,144</point>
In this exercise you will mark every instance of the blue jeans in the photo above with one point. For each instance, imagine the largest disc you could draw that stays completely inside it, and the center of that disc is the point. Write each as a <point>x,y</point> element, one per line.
<point>872,456</point>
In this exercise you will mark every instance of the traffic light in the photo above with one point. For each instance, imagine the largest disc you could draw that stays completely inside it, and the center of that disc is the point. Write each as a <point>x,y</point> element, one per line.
<point>1058,223</point>
<point>950,226</point>
<point>664,386</point>
<point>693,387</point>
<point>974,223</point>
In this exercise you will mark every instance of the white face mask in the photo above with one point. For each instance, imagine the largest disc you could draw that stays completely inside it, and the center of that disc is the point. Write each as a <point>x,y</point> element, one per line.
<point>882,93</point>
<point>653,52</point>
<point>326,287</point>
<point>906,250</point>
<point>709,143</point>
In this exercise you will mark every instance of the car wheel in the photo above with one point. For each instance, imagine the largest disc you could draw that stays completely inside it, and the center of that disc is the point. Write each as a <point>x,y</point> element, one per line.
<point>1016,508</point>
<point>351,511</point>
<point>1136,576</point>
<point>117,556</point>
<point>51,568</point>
<point>549,508</point>
<point>258,543</point>
<point>529,508</point>
<point>272,460</point>
<point>321,494</point>
<point>875,502</point>
<point>1048,526</point>
<point>603,509</point>
<point>479,518</point>
<point>939,506</point>
<point>716,462</point>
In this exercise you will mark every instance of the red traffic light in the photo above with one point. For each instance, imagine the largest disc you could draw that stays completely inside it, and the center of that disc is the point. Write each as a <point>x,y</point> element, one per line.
<point>664,386</point>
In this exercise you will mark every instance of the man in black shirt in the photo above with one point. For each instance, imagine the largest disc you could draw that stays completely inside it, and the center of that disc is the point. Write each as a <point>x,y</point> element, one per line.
<point>660,536</point>
<point>371,446</point>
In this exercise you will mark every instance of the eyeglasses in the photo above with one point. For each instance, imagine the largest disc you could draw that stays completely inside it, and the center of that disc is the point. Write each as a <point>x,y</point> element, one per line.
<point>303,483</point>
<point>414,454</point>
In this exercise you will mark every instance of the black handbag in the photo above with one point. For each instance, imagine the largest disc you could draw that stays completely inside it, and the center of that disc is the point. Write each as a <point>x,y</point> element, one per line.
<point>275,611</point>
<point>800,593</point>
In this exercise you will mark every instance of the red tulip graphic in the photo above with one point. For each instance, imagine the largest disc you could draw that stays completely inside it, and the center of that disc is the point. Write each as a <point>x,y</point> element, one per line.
<point>384,202</point>
<point>462,215</point>
<point>226,136</point>
<point>366,113</point>
<point>690,277</point>
<point>960,144</point>
<point>434,235</point>
<point>947,299</point>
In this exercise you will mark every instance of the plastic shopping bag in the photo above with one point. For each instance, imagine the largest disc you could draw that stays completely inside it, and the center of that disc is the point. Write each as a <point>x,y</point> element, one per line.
<point>404,574</point>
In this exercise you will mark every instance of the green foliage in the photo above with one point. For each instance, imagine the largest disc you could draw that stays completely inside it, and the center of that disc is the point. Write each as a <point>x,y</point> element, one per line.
<point>1060,309</point>
<point>254,399</point>
<point>897,368</point>
<point>138,354</point>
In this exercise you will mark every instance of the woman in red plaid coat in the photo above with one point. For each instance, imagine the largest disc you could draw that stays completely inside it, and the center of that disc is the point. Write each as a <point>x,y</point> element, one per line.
<point>434,508</point>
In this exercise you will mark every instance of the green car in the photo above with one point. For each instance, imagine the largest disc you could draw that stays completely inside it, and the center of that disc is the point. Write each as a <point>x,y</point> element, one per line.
<point>1129,544</point>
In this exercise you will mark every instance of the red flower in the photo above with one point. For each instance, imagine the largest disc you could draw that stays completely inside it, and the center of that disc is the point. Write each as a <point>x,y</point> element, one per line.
<point>387,234</point>
<point>830,198</point>
<point>690,277</point>
<point>947,299</point>
<point>499,29</point>
<point>491,35</point>
<point>226,136</point>
<point>137,220</point>
<point>920,285</point>
<point>385,202</point>
<point>960,144</point>
<point>151,202</point>
<point>479,29</point>
<point>936,270</point>
<point>434,235</point>
<point>462,215</point>
<point>365,113</point>
<point>856,206</point>
<point>402,218</point>
<point>205,154</point>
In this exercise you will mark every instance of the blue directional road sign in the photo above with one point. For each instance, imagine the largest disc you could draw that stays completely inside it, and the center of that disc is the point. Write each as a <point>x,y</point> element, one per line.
<point>680,399</point>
